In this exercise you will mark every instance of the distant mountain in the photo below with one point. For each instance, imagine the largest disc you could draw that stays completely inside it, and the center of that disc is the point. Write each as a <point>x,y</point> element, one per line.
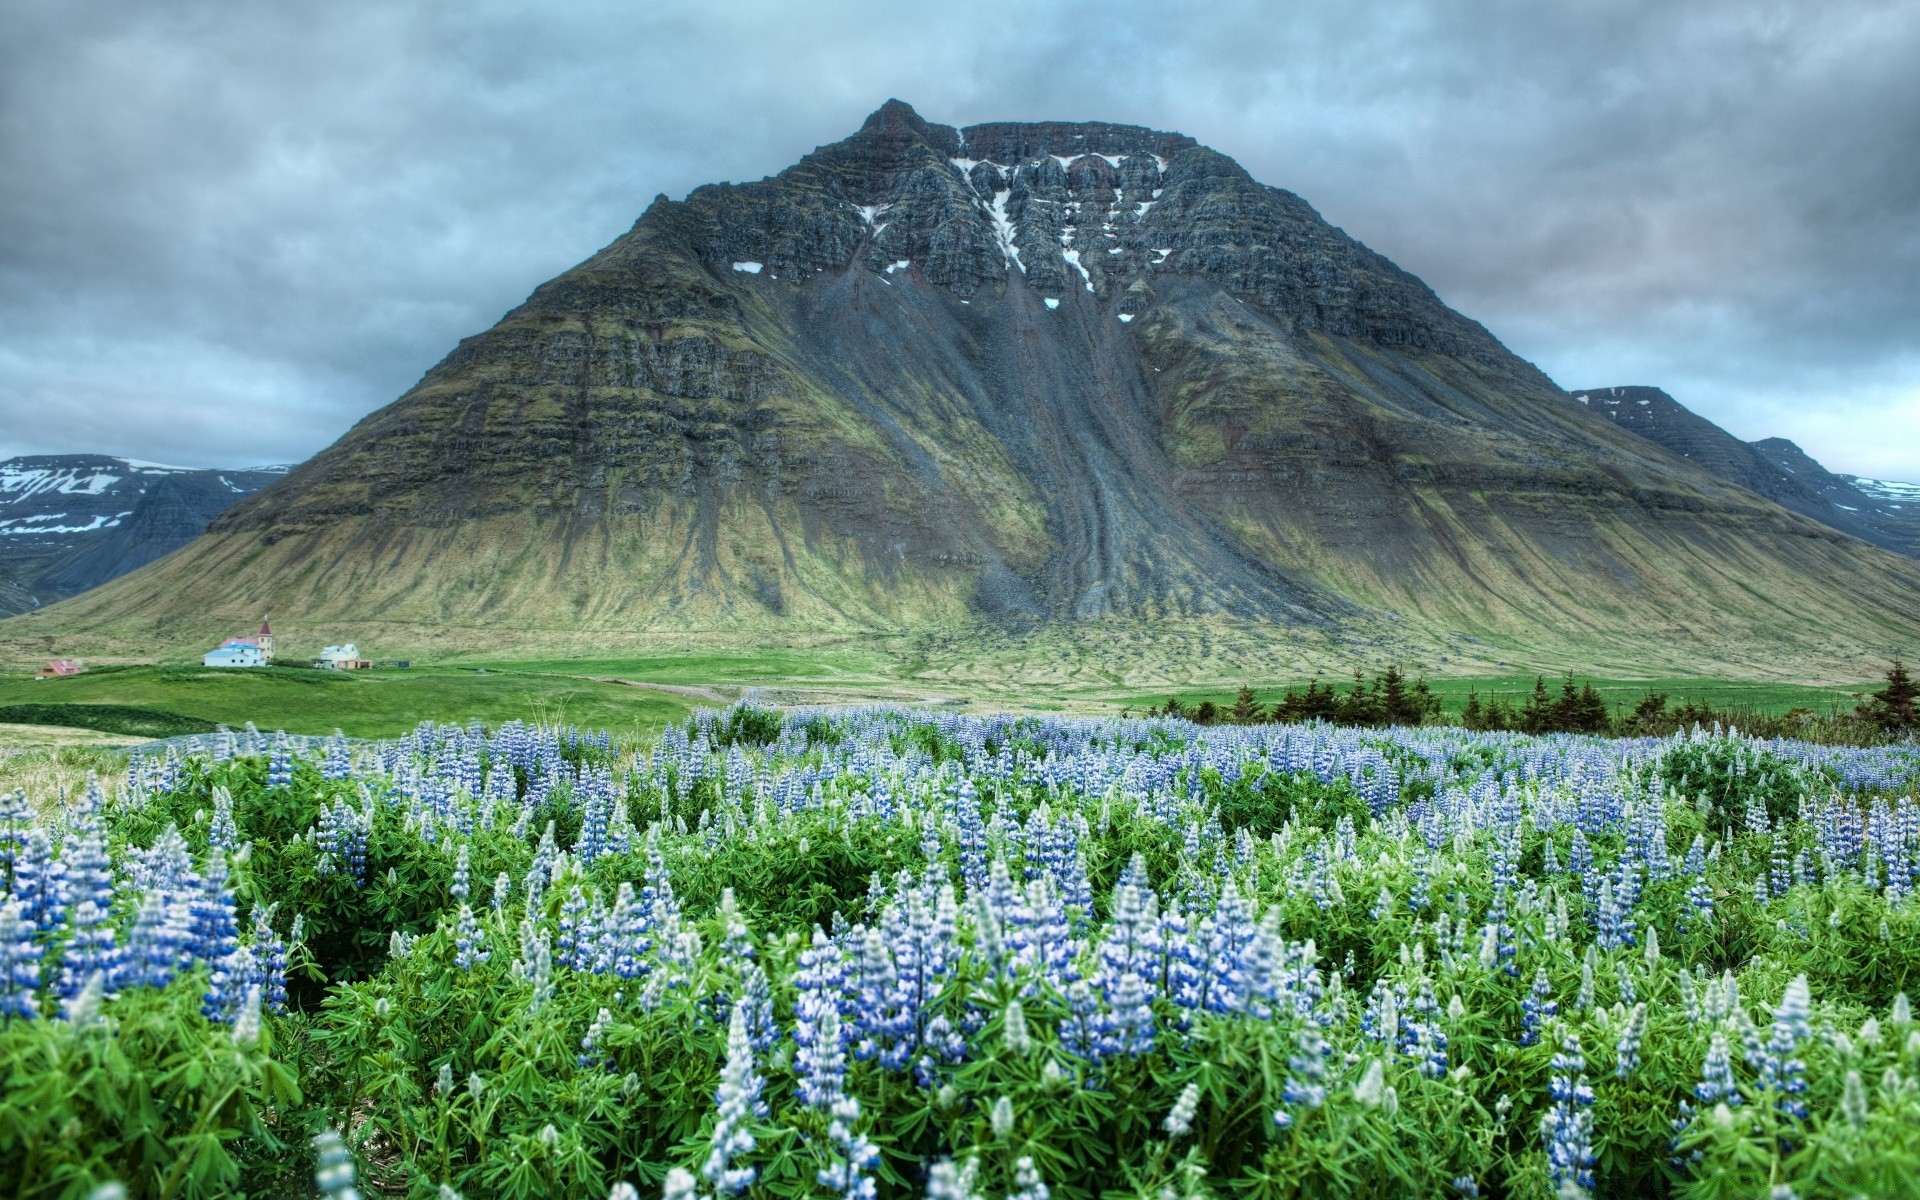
<point>1087,389</point>
<point>71,522</point>
<point>1773,467</point>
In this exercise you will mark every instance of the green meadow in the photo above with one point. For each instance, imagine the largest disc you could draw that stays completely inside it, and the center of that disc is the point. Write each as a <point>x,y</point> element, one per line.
<point>382,703</point>
<point>641,694</point>
<point>1722,695</point>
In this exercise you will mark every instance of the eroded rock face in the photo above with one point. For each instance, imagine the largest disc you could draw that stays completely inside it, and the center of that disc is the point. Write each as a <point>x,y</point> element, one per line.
<point>1026,372</point>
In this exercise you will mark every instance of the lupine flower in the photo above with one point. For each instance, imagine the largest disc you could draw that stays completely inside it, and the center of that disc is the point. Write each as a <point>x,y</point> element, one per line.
<point>470,943</point>
<point>1179,1120</point>
<point>591,1055</point>
<point>1000,1118</point>
<point>1567,1129</point>
<point>1780,1069</point>
<point>214,932</point>
<point>738,1099</point>
<point>1307,1067</point>
<point>1537,1009</point>
<point>333,1170</point>
<point>1627,1050</point>
<point>948,1182</point>
<point>1716,1084</point>
<point>1026,1179</point>
<point>89,949</point>
<point>854,1156</point>
<point>19,962</point>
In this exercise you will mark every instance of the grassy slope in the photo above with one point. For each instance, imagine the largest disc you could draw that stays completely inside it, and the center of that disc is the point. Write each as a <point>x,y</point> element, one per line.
<point>369,704</point>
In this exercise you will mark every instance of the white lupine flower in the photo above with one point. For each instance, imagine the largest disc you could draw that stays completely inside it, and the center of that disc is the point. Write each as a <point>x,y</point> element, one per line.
<point>1179,1121</point>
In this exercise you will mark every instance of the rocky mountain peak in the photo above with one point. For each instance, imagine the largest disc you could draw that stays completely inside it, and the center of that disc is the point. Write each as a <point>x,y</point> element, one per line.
<point>1060,207</point>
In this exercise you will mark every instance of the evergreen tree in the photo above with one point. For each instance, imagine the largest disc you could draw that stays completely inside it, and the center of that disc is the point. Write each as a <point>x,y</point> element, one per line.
<point>1392,688</point>
<point>1471,716</point>
<point>1566,710</point>
<point>1893,707</point>
<point>1246,709</point>
<point>1361,706</point>
<point>1537,714</point>
<point>1650,714</point>
<point>1589,711</point>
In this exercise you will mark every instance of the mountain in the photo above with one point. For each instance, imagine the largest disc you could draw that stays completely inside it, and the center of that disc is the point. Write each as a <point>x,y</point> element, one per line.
<point>1082,397</point>
<point>71,522</point>
<point>1773,467</point>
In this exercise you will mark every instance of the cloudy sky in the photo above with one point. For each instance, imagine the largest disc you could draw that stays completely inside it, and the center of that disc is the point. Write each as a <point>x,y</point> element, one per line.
<point>228,230</point>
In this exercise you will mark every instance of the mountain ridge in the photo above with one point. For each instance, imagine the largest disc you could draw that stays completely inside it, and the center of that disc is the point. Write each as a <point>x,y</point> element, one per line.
<point>908,385</point>
<point>1772,467</point>
<point>69,522</point>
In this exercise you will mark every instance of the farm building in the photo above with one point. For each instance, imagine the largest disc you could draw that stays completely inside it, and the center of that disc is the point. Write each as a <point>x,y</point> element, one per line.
<point>342,658</point>
<point>255,651</point>
<point>59,667</point>
<point>231,655</point>
<point>262,641</point>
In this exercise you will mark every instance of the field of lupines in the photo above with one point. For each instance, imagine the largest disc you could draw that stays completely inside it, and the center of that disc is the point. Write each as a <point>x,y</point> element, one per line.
<point>890,952</point>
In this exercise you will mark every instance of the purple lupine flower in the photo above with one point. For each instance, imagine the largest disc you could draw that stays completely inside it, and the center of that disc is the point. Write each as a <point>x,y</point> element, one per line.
<point>469,941</point>
<point>821,1060</point>
<point>854,1156</point>
<point>1537,1009</point>
<point>578,933</point>
<point>19,961</point>
<point>213,929</point>
<point>1567,1128</point>
<point>1780,1069</point>
<point>738,1099</point>
<point>1307,1068</point>
<point>90,948</point>
<point>1716,1084</point>
<point>270,960</point>
<point>223,833</point>
<point>227,987</point>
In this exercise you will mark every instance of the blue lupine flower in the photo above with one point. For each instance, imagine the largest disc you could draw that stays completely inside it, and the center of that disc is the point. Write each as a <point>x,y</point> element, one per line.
<point>1307,1078</point>
<point>214,931</point>
<point>1716,1084</point>
<point>19,961</point>
<point>1567,1128</point>
<point>469,942</point>
<point>1627,1050</point>
<point>1780,1069</point>
<point>738,1099</point>
<point>591,1054</point>
<point>1537,1009</point>
<point>853,1155</point>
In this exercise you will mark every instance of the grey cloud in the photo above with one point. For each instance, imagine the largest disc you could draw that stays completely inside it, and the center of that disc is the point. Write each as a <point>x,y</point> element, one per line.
<point>229,230</point>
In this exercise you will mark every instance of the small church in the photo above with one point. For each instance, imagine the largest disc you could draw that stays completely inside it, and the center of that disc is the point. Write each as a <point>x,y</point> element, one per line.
<point>256,651</point>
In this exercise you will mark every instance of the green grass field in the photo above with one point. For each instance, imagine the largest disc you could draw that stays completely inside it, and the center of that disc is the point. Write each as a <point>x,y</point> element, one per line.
<point>582,691</point>
<point>361,703</point>
<point>1725,695</point>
